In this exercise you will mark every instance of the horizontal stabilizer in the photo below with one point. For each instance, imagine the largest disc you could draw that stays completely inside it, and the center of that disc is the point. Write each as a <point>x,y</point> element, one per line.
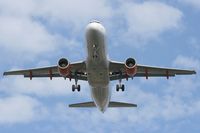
<point>120,104</point>
<point>82,105</point>
<point>111,105</point>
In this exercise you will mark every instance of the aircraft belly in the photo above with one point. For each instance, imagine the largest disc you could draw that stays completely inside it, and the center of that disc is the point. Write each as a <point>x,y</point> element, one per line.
<point>98,72</point>
<point>98,78</point>
<point>101,97</point>
<point>97,66</point>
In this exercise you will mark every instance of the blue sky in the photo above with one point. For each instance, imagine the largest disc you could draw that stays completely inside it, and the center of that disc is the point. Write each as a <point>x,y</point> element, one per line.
<point>155,32</point>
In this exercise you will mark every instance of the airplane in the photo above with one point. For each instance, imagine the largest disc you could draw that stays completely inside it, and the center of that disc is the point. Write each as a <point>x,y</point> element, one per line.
<point>98,70</point>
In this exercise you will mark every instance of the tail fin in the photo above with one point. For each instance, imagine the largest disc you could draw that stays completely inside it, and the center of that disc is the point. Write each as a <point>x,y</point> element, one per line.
<point>92,104</point>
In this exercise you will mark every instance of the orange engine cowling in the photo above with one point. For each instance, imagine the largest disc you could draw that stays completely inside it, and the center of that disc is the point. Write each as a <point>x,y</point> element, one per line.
<point>64,67</point>
<point>131,68</point>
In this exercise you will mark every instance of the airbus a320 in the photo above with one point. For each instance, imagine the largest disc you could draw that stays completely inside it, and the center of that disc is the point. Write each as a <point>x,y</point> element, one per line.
<point>98,70</point>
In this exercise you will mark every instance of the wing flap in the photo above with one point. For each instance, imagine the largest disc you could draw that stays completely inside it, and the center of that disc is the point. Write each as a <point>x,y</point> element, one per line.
<point>124,76</point>
<point>79,77</point>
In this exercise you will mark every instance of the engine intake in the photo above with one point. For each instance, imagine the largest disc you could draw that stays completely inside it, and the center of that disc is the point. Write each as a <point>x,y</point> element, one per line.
<point>64,67</point>
<point>131,68</point>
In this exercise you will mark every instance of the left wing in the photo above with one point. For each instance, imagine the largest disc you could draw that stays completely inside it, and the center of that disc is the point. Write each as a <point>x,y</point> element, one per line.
<point>118,71</point>
<point>78,70</point>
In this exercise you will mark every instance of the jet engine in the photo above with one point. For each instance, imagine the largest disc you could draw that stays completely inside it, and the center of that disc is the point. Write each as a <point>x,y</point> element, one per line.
<point>131,68</point>
<point>64,67</point>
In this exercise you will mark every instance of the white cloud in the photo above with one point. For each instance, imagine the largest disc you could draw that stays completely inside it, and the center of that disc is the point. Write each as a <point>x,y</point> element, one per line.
<point>20,109</point>
<point>40,87</point>
<point>194,42</point>
<point>151,107</point>
<point>23,33</point>
<point>74,11</point>
<point>168,106</point>
<point>148,20</point>
<point>19,8</point>
<point>184,61</point>
<point>58,10</point>
<point>145,20</point>
<point>23,36</point>
<point>194,3</point>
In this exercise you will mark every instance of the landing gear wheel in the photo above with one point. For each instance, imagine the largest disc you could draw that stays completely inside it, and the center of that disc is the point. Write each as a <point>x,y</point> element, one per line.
<point>117,87</point>
<point>79,88</point>
<point>122,87</point>
<point>76,87</point>
<point>73,88</point>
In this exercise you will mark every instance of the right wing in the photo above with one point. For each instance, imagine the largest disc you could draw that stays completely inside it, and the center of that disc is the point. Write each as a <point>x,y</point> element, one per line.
<point>118,71</point>
<point>78,71</point>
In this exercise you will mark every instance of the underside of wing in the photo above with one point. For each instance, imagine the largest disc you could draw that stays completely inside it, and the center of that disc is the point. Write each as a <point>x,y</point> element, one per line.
<point>118,71</point>
<point>77,70</point>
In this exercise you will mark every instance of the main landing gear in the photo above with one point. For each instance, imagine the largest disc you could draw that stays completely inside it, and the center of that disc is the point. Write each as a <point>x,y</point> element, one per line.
<point>76,86</point>
<point>120,86</point>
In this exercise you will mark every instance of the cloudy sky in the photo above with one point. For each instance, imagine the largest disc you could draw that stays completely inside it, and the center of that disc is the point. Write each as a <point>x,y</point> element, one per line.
<point>36,33</point>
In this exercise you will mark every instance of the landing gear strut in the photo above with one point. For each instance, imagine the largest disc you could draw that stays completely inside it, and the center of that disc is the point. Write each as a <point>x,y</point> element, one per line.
<point>120,86</point>
<point>76,86</point>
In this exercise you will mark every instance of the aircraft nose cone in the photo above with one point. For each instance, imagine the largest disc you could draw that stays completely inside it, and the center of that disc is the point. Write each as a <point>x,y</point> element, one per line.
<point>93,28</point>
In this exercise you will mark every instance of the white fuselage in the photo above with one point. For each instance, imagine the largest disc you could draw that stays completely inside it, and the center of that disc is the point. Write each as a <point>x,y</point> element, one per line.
<point>97,65</point>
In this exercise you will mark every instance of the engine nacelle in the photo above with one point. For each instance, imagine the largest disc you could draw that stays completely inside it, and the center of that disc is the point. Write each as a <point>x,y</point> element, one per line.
<point>64,67</point>
<point>131,68</point>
